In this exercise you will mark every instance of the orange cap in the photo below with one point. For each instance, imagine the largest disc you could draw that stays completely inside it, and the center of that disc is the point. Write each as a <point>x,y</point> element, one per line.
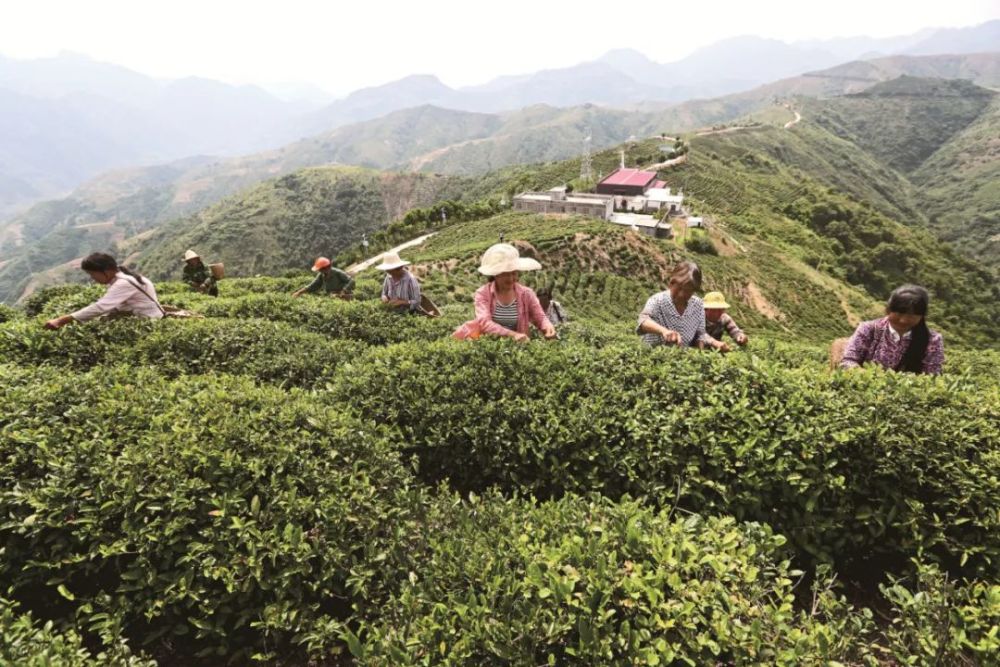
<point>321,263</point>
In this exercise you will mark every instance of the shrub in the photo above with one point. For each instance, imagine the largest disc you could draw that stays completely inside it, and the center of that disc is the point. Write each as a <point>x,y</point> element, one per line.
<point>27,643</point>
<point>590,582</point>
<point>79,346</point>
<point>701,244</point>
<point>7,313</point>
<point>942,622</point>
<point>837,463</point>
<point>268,351</point>
<point>203,515</point>
<point>61,299</point>
<point>366,321</point>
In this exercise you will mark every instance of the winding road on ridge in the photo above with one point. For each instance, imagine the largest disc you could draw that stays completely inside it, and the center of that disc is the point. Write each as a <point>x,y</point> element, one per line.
<point>371,261</point>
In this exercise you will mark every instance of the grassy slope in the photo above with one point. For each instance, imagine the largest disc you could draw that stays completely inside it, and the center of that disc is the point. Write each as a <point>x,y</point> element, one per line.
<point>841,235</point>
<point>960,187</point>
<point>287,222</point>
<point>605,273</point>
<point>903,121</point>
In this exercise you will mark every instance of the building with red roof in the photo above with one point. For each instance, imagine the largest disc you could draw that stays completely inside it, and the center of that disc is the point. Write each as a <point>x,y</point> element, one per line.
<point>627,182</point>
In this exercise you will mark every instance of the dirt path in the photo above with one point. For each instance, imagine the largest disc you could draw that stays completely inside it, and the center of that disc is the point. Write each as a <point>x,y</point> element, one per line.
<point>790,123</point>
<point>725,130</point>
<point>680,159</point>
<point>372,261</point>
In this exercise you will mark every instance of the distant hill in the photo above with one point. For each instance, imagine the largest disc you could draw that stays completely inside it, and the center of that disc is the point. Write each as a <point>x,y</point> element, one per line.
<point>983,37</point>
<point>287,222</point>
<point>65,119</point>
<point>625,78</point>
<point>903,121</point>
<point>124,203</point>
<point>959,188</point>
<point>131,119</point>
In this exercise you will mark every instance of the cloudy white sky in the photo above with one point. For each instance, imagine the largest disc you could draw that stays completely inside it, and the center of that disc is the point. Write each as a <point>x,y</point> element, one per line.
<point>341,46</point>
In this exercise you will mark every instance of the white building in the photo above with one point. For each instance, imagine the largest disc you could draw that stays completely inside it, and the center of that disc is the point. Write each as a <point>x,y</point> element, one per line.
<point>557,200</point>
<point>645,224</point>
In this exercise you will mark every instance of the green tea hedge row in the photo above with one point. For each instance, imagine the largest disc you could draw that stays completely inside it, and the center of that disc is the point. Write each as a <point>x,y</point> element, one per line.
<point>366,321</point>
<point>936,621</point>
<point>200,515</point>
<point>27,643</point>
<point>846,465</point>
<point>267,351</point>
<point>589,582</point>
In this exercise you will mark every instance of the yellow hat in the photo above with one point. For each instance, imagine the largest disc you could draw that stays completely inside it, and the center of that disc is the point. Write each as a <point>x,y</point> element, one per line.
<point>715,300</point>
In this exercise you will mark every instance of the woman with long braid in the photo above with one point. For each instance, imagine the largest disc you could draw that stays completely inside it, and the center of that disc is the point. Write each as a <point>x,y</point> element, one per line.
<point>901,340</point>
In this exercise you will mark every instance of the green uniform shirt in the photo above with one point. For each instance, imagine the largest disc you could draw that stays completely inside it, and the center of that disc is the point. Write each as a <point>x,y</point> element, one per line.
<point>334,281</point>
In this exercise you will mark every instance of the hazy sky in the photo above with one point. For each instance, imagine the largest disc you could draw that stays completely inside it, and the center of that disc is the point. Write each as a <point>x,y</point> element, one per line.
<point>341,46</point>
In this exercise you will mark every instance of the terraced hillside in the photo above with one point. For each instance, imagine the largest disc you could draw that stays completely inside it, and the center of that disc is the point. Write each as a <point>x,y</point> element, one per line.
<point>317,482</point>
<point>127,202</point>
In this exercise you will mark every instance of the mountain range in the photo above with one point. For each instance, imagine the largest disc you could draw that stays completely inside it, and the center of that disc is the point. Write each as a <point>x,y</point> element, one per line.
<point>65,119</point>
<point>125,203</point>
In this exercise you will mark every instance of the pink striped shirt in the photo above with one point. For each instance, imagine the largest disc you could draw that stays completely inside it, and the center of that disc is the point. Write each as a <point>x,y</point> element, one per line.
<point>529,310</point>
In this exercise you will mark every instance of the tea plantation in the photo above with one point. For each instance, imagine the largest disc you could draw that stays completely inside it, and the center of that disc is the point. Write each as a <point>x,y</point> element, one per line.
<point>309,481</point>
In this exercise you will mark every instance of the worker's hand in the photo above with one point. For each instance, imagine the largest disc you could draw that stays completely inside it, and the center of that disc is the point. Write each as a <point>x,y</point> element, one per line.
<point>550,332</point>
<point>521,338</point>
<point>742,339</point>
<point>296,295</point>
<point>722,347</point>
<point>385,299</point>
<point>58,322</point>
<point>670,337</point>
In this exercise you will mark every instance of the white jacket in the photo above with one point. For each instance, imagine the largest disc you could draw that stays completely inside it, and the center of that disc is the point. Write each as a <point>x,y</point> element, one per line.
<point>124,295</point>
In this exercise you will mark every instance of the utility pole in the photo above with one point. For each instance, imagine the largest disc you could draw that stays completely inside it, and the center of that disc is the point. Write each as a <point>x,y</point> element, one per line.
<point>586,163</point>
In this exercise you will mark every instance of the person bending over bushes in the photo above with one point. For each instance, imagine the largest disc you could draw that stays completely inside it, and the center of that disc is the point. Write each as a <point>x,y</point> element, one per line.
<point>128,293</point>
<point>675,316</point>
<point>330,280</point>
<point>553,309</point>
<point>901,340</point>
<point>400,289</point>
<point>505,307</point>
<point>198,276</point>
<point>718,321</point>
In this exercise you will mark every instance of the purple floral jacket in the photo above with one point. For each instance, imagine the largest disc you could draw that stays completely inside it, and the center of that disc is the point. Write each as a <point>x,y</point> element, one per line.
<point>875,341</point>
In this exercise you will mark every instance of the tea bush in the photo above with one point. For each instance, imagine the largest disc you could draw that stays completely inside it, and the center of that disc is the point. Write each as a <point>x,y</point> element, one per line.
<point>590,582</point>
<point>27,643</point>
<point>201,515</point>
<point>268,351</point>
<point>940,621</point>
<point>38,303</point>
<point>366,321</point>
<point>7,313</point>
<point>78,346</point>
<point>838,463</point>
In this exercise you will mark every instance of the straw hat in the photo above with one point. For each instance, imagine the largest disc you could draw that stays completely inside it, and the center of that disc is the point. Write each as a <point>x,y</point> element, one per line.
<point>191,254</point>
<point>715,300</point>
<point>390,261</point>
<point>503,257</point>
<point>321,263</point>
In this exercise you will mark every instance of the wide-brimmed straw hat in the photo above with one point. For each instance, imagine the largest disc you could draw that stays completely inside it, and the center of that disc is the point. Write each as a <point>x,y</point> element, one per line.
<point>191,254</point>
<point>503,257</point>
<point>715,300</point>
<point>390,261</point>
<point>321,263</point>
